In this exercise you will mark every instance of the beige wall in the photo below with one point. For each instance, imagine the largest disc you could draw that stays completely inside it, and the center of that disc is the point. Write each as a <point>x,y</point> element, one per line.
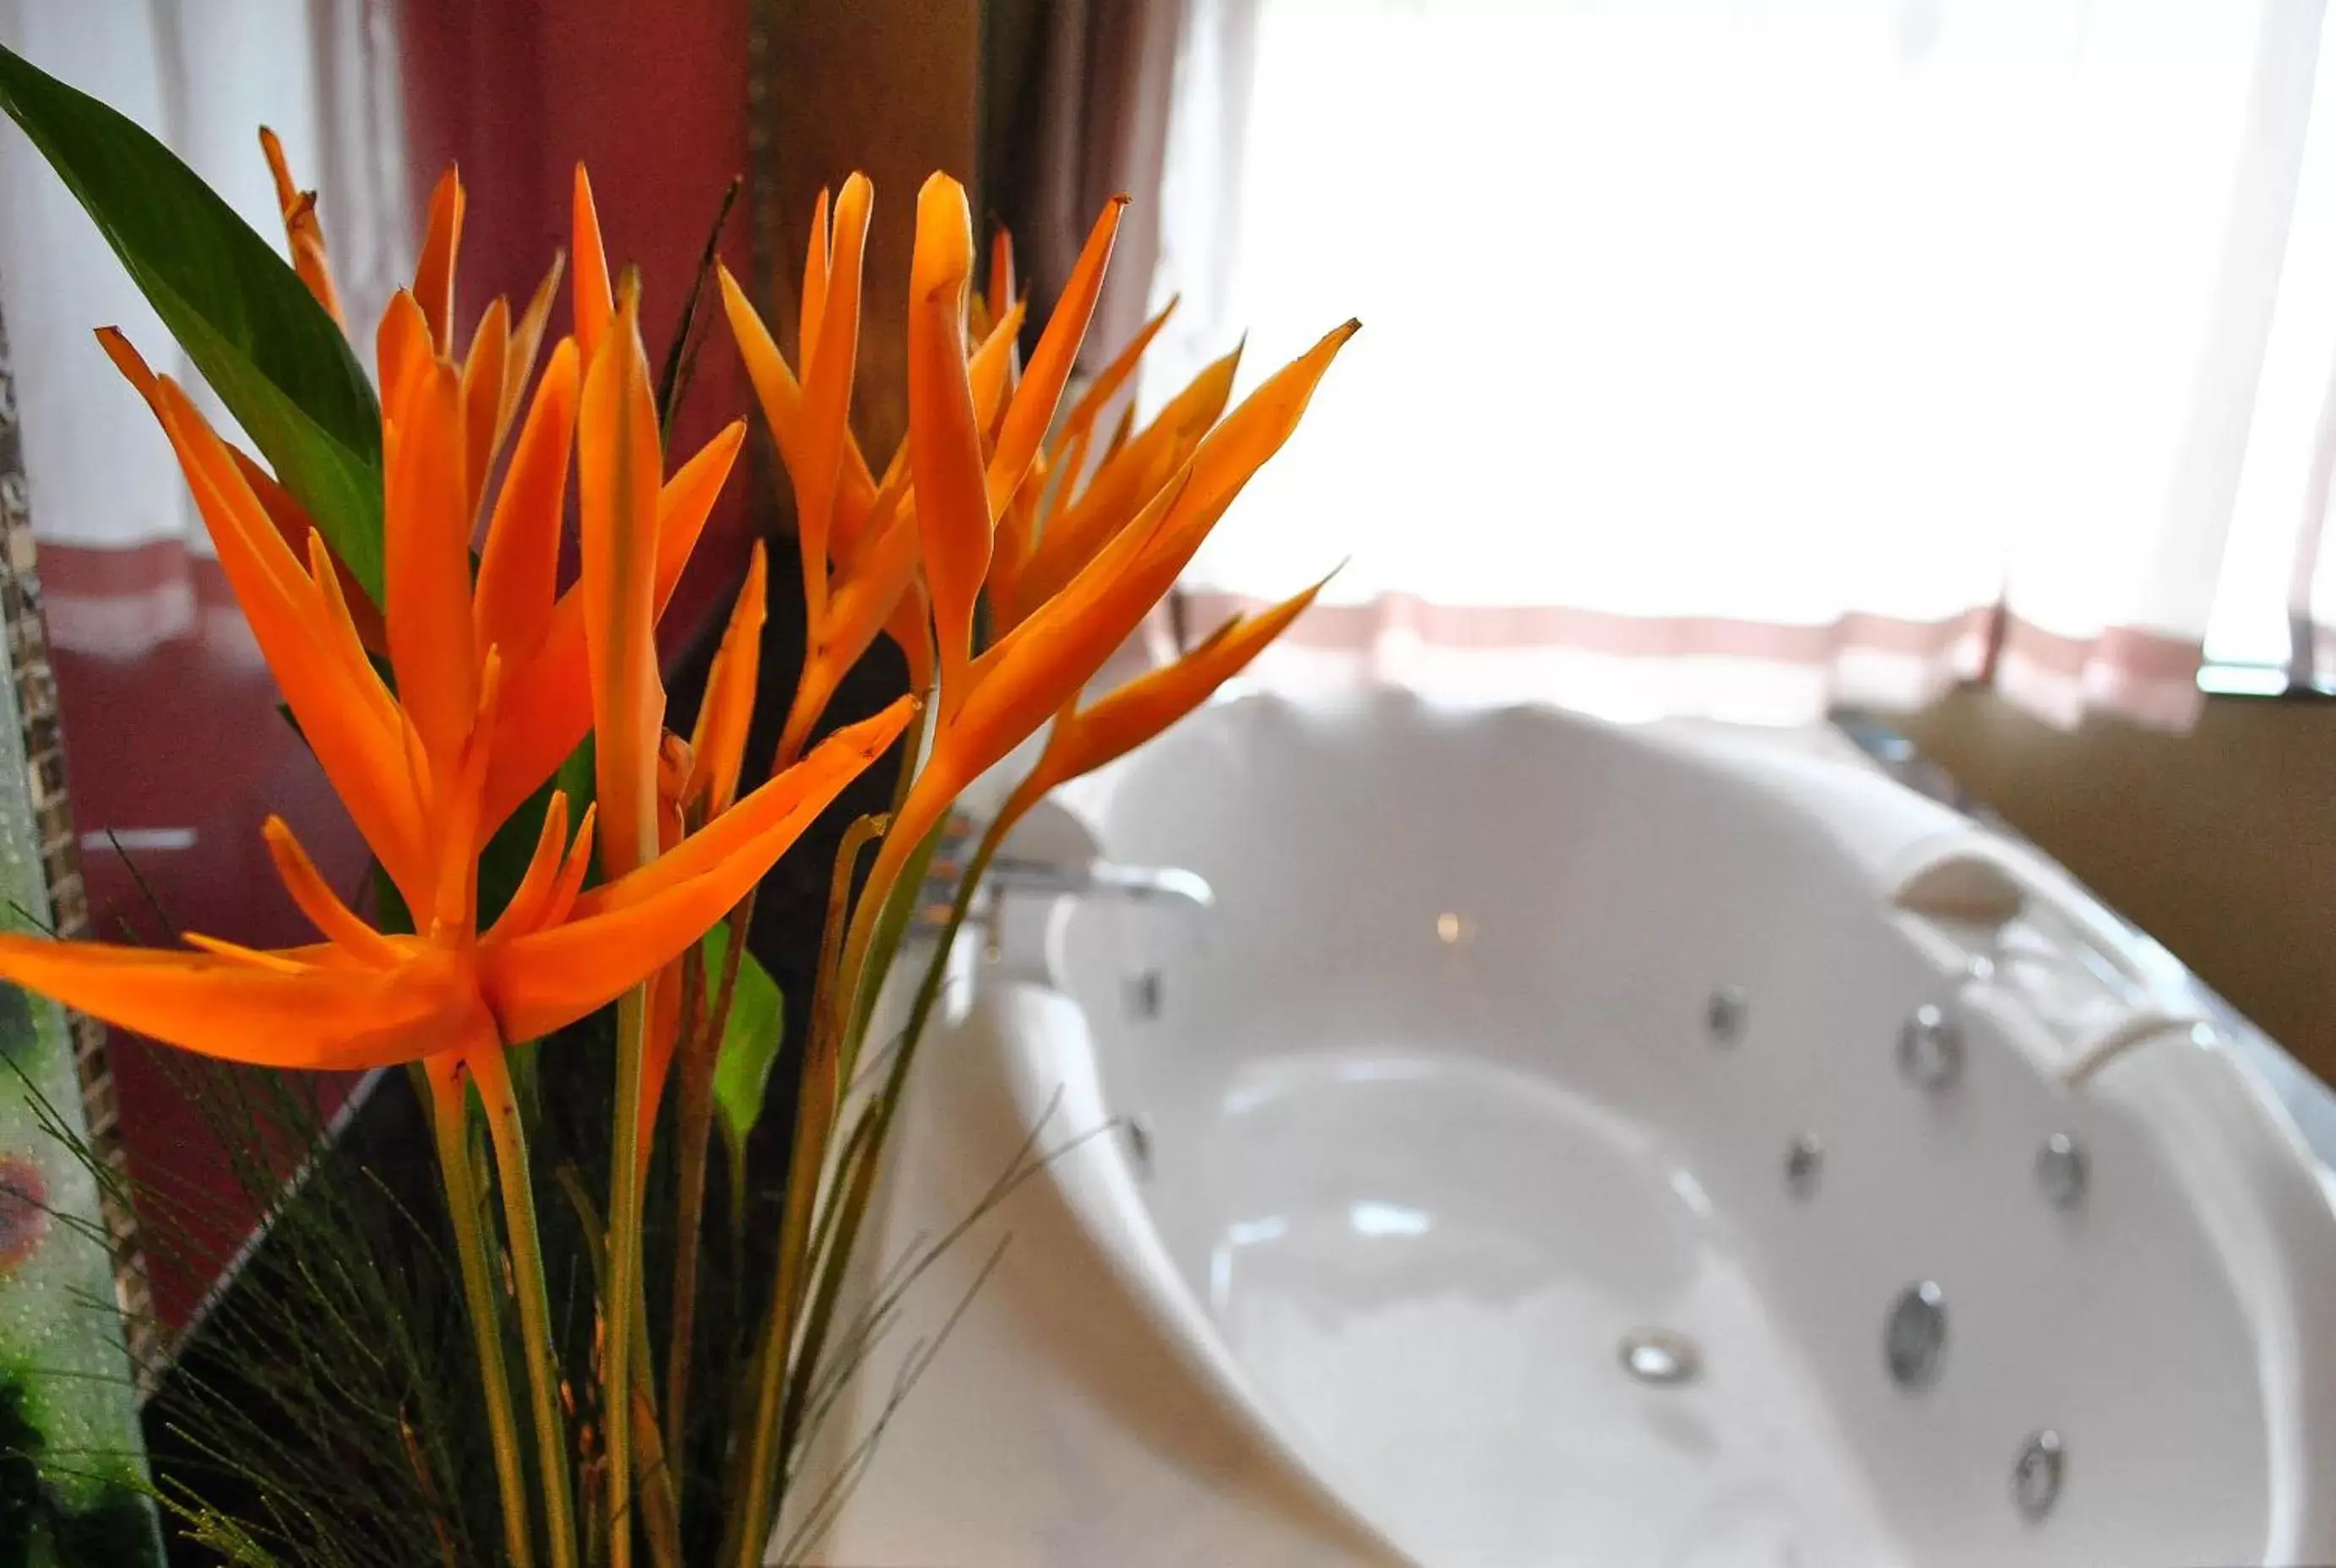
<point>2220,844</point>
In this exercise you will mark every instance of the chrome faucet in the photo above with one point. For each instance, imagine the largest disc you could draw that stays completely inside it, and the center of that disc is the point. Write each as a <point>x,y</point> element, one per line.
<point>1019,875</point>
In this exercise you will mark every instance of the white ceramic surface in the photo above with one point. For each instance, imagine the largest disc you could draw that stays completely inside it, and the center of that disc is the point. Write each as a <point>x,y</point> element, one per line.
<point>1436,1118</point>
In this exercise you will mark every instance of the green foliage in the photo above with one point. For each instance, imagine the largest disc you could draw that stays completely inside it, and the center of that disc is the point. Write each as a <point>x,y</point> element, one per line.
<point>751,1038</point>
<point>277,361</point>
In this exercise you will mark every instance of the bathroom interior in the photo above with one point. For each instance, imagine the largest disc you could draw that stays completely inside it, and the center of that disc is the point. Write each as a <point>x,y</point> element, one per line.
<point>1750,984</point>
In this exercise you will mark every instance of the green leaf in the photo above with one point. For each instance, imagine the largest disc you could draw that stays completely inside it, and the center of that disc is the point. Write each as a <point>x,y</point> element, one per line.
<point>260,339</point>
<point>750,1043</point>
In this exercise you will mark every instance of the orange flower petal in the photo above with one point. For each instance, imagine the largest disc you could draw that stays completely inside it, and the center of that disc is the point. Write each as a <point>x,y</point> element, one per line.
<point>785,802</point>
<point>1126,480</point>
<point>526,341</point>
<point>298,1015</point>
<point>593,302</point>
<point>992,369</point>
<point>1033,408</point>
<point>827,391</point>
<point>482,400</point>
<point>944,442</point>
<point>617,466</point>
<point>426,561</point>
<point>548,703</point>
<point>291,522</point>
<point>532,897</point>
<point>316,899</point>
<point>519,569</point>
<point>1079,423</point>
<point>1001,297</point>
<point>866,604</point>
<point>912,628</point>
<point>363,757</point>
<point>817,256</point>
<point>625,931</point>
<point>718,741</point>
<point>303,235</point>
<point>1010,554</point>
<point>433,274</point>
<point>1119,723</point>
<point>1233,452</point>
<point>781,397</point>
<point>401,348</point>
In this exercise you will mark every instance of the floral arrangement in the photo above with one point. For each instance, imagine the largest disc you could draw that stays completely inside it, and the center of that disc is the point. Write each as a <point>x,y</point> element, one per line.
<point>394,542</point>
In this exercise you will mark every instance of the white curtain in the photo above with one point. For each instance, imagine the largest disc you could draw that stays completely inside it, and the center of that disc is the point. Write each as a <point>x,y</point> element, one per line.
<point>1742,357</point>
<point>108,507</point>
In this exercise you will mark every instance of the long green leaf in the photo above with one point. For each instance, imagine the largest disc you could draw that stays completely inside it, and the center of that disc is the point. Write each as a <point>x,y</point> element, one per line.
<point>263,343</point>
<point>750,1042</point>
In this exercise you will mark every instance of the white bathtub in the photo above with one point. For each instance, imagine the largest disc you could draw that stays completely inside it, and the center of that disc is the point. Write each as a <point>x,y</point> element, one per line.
<point>1493,1052</point>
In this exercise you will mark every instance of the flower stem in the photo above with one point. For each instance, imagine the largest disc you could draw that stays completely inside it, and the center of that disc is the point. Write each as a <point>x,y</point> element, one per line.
<point>624,1265</point>
<point>509,1136</point>
<point>806,1276</point>
<point>450,1116</point>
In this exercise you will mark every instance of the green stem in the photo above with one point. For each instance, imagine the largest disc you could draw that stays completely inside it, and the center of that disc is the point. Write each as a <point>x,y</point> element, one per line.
<point>837,1255</point>
<point>624,1265</point>
<point>784,1380</point>
<point>509,1136</point>
<point>449,1106</point>
<point>701,1034</point>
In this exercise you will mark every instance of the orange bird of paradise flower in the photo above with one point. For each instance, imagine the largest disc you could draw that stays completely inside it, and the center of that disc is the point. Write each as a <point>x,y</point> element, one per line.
<point>1121,566</point>
<point>491,694</point>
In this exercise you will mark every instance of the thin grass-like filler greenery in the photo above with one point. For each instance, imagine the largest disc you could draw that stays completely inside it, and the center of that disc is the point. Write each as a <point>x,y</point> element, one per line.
<point>570,1345</point>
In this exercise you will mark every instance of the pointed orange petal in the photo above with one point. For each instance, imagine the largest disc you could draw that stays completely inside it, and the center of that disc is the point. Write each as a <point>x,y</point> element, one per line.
<point>1144,708</point>
<point>363,684</point>
<point>944,444</point>
<point>1120,432</point>
<point>718,741</point>
<point>1233,452</point>
<point>316,899</point>
<point>1079,423</point>
<point>1036,667</point>
<point>426,561</point>
<point>525,910</point>
<point>1032,671</point>
<point>456,813</point>
<point>482,399</point>
<point>992,369</point>
<point>433,274</point>
<point>303,235</point>
<point>912,628</point>
<point>866,604</point>
<point>1001,297</point>
<point>782,399</point>
<point>629,929</point>
<point>618,465</point>
<point>519,569</point>
<point>364,758</point>
<point>593,301</point>
<point>572,872</point>
<point>291,522</point>
<point>686,500</point>
<point>1126,480</point>
<point>786,802</point>
<point>526,341</point>
<point>548,704</point>
<point>1010,552</point>
<point>299,1015</point>
<point>1033,408</point>
<point>401,349</point>
<point>817,258</point>
<point>827,391</point>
